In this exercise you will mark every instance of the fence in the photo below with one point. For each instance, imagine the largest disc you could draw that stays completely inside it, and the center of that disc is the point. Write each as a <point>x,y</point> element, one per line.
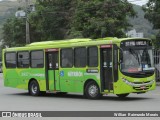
<point>157,64</point>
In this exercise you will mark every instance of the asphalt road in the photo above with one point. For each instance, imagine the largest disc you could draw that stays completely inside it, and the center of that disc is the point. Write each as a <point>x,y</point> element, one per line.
<point>12,99</point>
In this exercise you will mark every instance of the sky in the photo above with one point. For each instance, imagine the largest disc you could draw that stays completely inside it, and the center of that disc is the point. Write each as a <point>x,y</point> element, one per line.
<point>138,2</point>
<point>9,0</point>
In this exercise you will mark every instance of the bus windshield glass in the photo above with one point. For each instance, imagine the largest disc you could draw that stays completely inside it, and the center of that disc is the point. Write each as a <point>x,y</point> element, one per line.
<point>137,60</point>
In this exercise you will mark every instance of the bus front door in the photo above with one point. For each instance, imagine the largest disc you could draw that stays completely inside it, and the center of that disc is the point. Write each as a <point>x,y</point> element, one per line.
<point>52,70</point>
<point>106,68</point>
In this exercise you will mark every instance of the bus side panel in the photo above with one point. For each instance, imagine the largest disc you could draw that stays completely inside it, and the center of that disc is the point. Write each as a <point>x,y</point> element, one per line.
<point>10,78</point>
<point>37,74</point>
<point>72,80</point>
<point>19,78</point>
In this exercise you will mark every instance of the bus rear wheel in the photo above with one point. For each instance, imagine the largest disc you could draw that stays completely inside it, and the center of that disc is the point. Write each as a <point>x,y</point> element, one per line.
<point>92,90</point>
<point>122,95</point>
<point>34,88</point>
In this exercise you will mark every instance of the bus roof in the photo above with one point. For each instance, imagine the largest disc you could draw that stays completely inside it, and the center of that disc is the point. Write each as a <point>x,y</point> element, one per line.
<point>71,43</point>
<point>59,42</point>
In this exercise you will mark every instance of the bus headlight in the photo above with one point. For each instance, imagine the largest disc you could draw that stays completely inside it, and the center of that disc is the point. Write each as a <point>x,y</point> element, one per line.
<point>127,82</point>
<point>138,84</point>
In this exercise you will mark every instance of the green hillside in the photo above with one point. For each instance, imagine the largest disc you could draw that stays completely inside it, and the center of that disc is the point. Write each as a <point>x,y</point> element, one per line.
<point>141,24</point>
<point>7,9</point>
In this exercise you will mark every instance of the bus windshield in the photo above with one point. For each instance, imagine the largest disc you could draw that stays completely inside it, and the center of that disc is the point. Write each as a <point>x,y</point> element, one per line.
<point>137,60</point>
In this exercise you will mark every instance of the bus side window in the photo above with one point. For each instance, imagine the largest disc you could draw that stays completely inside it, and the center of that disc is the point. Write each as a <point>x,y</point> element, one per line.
<point>37,59</point>
<point>67,58</point>
<point>92,56</point>
<point>80,57</point>
<point>23,59</point>
<point>10,60</point>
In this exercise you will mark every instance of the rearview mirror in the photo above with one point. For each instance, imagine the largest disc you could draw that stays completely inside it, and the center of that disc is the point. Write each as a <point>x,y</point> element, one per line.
<point>120,55</point>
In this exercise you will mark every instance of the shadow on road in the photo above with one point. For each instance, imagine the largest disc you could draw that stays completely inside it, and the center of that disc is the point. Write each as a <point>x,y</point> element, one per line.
<point>77,96</point>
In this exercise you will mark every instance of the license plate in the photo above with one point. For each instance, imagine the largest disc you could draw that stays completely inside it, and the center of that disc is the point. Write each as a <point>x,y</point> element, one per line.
<point>143,87</point>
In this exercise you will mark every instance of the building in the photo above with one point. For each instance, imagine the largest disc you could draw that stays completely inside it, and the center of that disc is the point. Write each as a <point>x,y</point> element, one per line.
<point>134,34</point>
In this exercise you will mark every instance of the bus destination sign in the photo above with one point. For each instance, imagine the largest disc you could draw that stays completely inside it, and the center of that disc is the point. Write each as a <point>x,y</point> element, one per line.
<point>135,43</point>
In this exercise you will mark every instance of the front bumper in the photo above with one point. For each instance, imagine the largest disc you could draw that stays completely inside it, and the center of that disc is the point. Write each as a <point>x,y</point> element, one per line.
<point>125,86</point>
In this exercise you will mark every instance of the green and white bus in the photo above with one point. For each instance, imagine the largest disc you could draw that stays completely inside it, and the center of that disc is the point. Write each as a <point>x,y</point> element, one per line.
<point>90,66</point>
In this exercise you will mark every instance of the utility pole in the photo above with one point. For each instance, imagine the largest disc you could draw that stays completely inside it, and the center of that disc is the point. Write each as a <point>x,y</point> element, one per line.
<point>21,14</point>
<point>27,23</point>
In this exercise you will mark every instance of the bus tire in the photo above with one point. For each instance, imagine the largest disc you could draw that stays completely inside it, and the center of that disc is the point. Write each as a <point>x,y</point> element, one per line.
<point>34,88</point>
<point>92,90</point>
<point>122,95</point>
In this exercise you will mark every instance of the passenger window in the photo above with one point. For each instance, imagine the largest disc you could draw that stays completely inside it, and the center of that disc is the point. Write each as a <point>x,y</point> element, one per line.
<point>10,60</point>
<point>23,60</point>
<point>67,58</point>
<point>37,59</point>
<point>92,56</point>
<point>80,57</point>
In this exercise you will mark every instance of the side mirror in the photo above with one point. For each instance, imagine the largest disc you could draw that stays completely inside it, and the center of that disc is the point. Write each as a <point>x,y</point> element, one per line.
<point>120,55</point>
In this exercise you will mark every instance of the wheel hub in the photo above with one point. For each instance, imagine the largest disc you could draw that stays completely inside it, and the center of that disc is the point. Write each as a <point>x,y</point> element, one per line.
<point>93,90</point>
<point>34,88</point>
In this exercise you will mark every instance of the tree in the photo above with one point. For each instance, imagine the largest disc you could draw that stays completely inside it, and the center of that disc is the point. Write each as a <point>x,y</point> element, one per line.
<point>52,19</point>
<point>101,18</point>
<point>152,13</point>
<point>63,19</point>
<point>14,32</point>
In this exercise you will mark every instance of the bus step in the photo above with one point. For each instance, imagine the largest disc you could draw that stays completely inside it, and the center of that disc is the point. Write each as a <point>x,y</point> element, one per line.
<point>55,91</point>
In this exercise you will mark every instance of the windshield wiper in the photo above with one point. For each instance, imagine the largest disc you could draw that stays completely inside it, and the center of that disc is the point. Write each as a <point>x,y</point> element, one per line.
<point>145,56</point>
<point>135,54</point>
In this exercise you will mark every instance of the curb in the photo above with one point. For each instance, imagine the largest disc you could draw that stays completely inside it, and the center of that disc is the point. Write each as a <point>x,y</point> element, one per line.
<point>158,83</point>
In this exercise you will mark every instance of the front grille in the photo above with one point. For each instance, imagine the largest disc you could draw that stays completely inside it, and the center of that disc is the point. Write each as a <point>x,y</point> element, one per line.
<point>142,87</point>
<point>141,82</point>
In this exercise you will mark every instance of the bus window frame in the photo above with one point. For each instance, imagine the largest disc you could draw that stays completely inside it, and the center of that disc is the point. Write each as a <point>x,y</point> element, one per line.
<point>89,57</point>
<point>86,60</point>
<point>28,59</point>
<point>6,60</point>
<point>61,58</point>
<point>37,59</point>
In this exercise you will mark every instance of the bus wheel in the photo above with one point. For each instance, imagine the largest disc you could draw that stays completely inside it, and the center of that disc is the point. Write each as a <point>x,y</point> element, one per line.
<point>34,88</point>
<point>122,95</point>
<point>92,90</point>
